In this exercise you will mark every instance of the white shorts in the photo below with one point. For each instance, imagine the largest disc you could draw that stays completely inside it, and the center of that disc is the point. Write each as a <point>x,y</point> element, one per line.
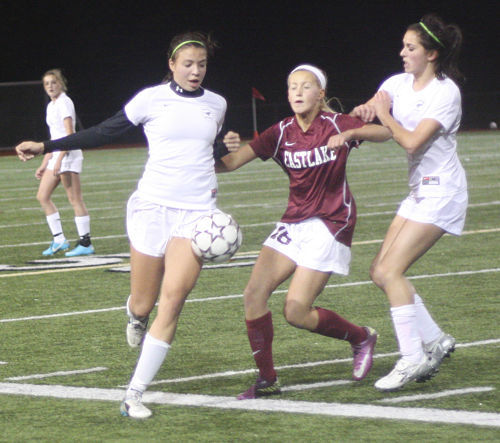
<point>150,226</point>
<point>72,161</point>
<point>447,213</point>
<point>310,244</point>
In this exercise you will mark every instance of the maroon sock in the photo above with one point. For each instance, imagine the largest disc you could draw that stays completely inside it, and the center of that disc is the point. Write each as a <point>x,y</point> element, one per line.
<point>260,334</point>
<point>333,325</point>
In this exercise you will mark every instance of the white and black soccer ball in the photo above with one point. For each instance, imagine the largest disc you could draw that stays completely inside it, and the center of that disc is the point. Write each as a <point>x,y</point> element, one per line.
<point>216,237</point>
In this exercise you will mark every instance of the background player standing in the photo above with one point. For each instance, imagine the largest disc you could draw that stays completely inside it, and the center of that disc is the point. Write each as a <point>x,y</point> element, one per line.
<point>62,166</point>
<point>314,236</point>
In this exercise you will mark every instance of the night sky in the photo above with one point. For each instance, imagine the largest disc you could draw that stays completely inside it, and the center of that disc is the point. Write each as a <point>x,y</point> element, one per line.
<point>110,49</point>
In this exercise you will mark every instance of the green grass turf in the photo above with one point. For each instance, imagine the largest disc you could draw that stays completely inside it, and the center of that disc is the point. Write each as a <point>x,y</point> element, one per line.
<point>211,337</point>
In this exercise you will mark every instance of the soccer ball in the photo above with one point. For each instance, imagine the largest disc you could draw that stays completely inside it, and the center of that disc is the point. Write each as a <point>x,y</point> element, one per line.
<point>216,237</point>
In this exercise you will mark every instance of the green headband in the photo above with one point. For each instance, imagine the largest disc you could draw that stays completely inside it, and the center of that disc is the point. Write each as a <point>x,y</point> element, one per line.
<point>186,43</point>
<point>426,29</point>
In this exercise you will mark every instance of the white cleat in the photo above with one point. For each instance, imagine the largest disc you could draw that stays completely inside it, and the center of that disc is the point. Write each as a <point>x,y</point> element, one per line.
<point>136,328</point>
<point>404,372</point>
<point>132,406</point>
<point>439,349</point>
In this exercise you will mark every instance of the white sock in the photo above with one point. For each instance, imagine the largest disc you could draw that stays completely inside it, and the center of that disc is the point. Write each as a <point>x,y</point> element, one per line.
<point>427,327</point>
<point>405,325</point>
<point>55,226</point>
<point>153,353</point>
<point>83,225</point>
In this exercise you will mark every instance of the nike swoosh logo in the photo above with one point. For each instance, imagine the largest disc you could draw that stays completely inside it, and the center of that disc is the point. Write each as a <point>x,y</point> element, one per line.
<point>289,144</point>
<point>256,352</point>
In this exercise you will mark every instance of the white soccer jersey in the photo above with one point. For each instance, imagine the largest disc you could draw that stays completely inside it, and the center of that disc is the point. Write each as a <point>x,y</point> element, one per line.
<point>181,130</point>
<point>434,170</point>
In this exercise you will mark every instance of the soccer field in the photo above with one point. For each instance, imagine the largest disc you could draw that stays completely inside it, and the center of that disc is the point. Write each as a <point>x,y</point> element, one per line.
<point>64,360</point>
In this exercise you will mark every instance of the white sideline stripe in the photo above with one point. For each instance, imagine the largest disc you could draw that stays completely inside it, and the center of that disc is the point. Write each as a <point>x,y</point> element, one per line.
<point>310,364</point>
<point>447,393</point>
<point>324,384</point>
<point>226,297</point>
<point>66,314</point>
<point>57,374</point>
<point>302,365</point>
<point>3,362</point>
<point>294,407</point>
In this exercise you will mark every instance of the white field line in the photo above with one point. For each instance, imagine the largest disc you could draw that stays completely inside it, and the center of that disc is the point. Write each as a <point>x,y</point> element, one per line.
<point>233,296</point>
<point>222,192</point>
<point>310,364</point>
<point>441,394</point>
<point>228,207</point>
<point>246,371</point>
<point>325,384</point>
<point>303,365</point>
<point>57,374</point>
<point>252,225</point>
<point>430,415</point>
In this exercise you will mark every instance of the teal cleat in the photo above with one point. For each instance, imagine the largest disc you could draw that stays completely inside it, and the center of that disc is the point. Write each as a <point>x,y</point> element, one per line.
<point>80,250</point>
<point>56,247</point>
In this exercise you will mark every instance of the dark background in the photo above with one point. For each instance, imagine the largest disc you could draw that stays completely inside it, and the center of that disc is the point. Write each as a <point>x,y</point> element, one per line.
<point>109,50</point>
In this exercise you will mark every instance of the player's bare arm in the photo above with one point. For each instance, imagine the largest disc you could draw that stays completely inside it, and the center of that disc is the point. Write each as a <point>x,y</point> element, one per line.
<point>29,149</point>
<point>365,112</point>
<point>410,141</point>
<point>235,159</point>
<point>232,141</point>
<point>372,133</point>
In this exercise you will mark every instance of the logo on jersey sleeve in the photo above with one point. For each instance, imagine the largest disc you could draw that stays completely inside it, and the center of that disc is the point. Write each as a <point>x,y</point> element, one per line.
<point>430,180</point>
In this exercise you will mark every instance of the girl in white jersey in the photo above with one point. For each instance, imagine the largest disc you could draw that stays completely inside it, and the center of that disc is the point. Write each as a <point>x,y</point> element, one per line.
<point>426,111</point>
<point>181,120</point>
<point>62,166</point>
<point>314,236</point>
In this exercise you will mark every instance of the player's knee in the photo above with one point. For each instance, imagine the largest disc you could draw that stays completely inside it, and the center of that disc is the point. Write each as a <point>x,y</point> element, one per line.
<point>42,197</point>
<point>142,305</point>
<point>295,313</point>
<point>381,274</point>
<point>254,296</point>
<point>71,199</point>
<point>377,275</point>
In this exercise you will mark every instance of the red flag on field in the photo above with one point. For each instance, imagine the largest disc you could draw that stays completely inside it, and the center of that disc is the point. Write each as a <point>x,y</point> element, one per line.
<point>256,94</point>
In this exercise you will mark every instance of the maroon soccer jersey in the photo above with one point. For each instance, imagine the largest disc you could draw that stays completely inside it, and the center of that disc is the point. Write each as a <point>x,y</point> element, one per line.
<point>318,184</point>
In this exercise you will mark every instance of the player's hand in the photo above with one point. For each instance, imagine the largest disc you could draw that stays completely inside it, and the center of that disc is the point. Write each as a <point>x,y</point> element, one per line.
<point>364,112</point>
<point>39,172</point>
<point>382,103</point>
<point>27,150</point>
<point>57,169</point>
<point>232,141</point>
<point>338,141</point>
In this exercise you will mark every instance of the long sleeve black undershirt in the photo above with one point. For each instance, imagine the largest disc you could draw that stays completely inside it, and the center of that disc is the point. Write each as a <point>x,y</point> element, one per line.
<point>105,133</point>
<point>101,134</point>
